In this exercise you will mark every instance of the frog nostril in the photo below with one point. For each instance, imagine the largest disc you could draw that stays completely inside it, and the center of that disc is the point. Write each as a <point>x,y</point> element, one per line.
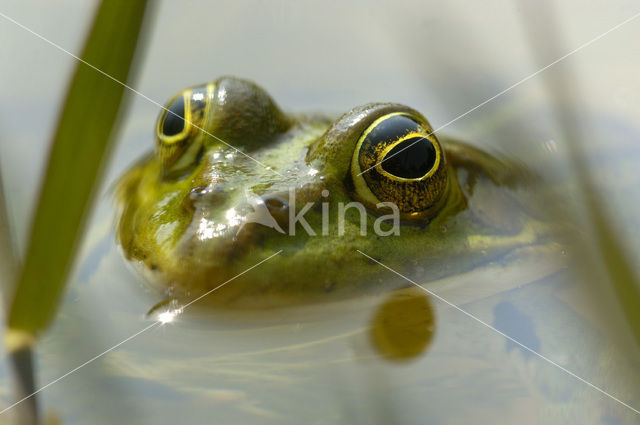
<point>278,208</point>
<point>275,204</point>
<point>198,192</point>
<point>205,195</point>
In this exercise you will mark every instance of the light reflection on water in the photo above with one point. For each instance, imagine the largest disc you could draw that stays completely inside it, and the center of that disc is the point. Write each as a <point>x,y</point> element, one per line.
<point>319,363</point>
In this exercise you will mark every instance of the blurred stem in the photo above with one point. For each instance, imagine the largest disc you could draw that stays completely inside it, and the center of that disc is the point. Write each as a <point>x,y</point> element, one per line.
<point>81,143</point>
<point>7,255</point>
<point>85,128</point>
<point>547,41</point>
<point>20,347</point>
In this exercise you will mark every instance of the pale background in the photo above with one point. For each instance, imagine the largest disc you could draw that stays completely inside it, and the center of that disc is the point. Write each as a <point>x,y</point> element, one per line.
<point>442,58</point>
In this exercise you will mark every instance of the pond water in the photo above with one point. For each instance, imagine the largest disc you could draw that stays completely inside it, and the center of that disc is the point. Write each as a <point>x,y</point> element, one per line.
<point>336,363</point>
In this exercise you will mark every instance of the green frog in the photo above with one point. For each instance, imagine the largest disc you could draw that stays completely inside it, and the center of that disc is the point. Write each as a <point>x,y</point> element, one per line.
<point>235,181</point>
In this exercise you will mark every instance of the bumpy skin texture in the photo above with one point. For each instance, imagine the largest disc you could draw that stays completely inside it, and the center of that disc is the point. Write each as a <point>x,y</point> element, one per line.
<point>189,231</point>
<point>245,114</point>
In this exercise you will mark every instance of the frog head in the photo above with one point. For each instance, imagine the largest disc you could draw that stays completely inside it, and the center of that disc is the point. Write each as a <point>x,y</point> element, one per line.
<point>234,181</point>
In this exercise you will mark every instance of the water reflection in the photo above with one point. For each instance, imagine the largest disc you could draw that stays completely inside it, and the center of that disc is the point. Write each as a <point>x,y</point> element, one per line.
<point>511,321</point>
<point>403,325</point>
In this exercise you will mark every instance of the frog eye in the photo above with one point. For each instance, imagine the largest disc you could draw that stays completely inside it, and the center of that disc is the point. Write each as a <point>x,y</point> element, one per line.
<point>397,159</point>
<point>179,132</point>
<point>173,123</point>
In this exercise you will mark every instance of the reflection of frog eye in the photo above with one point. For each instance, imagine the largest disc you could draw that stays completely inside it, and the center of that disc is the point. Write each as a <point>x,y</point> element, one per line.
<point>397,159</point>
<point>179,132</point>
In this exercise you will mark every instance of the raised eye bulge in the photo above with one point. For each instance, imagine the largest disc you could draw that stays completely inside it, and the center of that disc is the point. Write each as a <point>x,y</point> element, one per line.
<point>397,159</point>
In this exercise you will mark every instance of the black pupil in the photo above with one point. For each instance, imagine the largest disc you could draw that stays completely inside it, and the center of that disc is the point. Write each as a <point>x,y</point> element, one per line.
<point>410,159</point>
<point>174,122</point>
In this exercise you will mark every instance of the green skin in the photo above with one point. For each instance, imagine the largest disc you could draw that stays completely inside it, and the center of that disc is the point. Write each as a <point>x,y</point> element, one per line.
<point>177,226</point>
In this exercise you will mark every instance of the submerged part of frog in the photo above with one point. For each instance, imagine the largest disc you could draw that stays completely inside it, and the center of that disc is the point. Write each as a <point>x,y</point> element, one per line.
<point>234,180</point>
